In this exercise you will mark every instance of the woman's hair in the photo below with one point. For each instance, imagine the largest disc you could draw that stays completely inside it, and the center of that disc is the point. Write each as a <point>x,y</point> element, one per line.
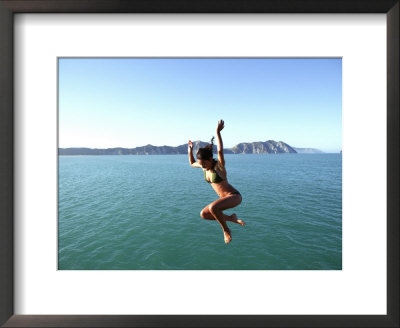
<point>206,152</point>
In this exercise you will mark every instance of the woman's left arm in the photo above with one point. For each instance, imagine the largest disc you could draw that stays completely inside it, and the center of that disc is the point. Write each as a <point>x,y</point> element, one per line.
<point>220,146</point>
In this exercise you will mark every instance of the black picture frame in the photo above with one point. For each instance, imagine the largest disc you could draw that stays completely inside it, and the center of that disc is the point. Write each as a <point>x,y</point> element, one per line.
<point>10,7</point>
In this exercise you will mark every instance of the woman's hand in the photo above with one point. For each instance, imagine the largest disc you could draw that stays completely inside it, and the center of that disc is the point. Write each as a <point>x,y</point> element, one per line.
<point>190,144</point>
<point>220,125</point>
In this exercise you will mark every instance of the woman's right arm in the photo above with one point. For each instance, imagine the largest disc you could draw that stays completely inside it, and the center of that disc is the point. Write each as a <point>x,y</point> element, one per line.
<point>192,161</point>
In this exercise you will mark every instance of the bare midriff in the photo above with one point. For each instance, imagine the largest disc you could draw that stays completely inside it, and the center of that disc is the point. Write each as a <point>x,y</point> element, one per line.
<point>223,188</point>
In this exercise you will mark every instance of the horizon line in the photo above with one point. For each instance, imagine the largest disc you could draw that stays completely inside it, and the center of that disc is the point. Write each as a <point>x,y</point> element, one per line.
<point>338,150</point>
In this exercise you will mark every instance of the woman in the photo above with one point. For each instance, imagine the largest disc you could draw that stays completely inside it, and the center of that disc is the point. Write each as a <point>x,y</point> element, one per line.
<point>215,174</point>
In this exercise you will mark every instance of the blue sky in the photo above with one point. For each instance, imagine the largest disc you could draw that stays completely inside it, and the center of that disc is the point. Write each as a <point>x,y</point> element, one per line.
<point>130,102</point>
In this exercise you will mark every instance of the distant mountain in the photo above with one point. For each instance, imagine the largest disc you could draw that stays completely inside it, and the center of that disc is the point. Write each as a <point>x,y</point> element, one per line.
<point>143,150</point>
<point>267,147</point>
<point>308,151</point>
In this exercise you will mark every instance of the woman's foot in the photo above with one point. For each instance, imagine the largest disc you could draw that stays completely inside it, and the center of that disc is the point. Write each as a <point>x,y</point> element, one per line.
<point>236,220</point>
<point>227,236</point>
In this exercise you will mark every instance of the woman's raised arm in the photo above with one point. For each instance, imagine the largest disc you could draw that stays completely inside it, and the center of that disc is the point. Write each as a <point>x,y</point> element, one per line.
<point>192,161</point>
<point>220,146</point>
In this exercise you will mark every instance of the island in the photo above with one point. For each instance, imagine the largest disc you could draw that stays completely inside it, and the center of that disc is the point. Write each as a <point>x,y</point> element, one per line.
<point>259,147</point>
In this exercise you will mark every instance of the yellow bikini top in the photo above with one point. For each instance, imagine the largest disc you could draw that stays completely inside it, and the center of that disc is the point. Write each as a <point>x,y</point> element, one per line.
<point>218,173</point>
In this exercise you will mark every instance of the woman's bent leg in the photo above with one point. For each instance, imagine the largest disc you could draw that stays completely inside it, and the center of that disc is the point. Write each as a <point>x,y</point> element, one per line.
<point>216,209</point>
<point>206,214</point>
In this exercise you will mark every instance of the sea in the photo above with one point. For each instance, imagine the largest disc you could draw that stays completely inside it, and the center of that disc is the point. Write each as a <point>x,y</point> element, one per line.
<point>142,212</point>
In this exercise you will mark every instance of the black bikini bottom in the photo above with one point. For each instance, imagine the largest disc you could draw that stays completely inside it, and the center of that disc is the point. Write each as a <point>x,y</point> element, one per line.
<point>235,193</point>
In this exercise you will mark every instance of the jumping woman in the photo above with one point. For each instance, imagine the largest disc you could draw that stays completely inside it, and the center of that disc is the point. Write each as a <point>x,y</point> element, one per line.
<point>215,174</point>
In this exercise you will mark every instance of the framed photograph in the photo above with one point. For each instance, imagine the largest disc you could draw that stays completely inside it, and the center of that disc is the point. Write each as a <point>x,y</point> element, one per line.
<point>321,246</point>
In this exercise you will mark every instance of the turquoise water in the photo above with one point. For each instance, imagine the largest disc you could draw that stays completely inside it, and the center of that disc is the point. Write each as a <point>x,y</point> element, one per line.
<point>143,213</point>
